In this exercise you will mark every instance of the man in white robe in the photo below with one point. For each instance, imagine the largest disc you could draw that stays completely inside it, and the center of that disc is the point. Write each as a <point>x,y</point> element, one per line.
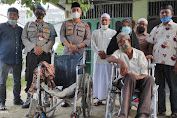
<point>102,69</point>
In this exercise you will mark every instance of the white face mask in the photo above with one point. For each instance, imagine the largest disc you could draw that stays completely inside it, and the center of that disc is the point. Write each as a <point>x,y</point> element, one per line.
<point>12,22</point>
<point>104,27</point>
<point>76,15</point>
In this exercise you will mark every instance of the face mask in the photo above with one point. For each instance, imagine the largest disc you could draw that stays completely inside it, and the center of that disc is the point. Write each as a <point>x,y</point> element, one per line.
<point>124,47</point>
<point>39,15</point>
<point>104,27</point>
<point>76,15</point>
<point>126,30</point>
<point>166,20</point>
<point>140,30</point>
<point>12,22</point>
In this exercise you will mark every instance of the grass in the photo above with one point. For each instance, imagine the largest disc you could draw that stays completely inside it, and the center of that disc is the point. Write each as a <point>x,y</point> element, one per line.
<point>59,50</point>
<point>9,83</point>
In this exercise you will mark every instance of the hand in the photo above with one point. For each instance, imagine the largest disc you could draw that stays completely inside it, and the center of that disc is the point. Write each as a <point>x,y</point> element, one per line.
<point>175,68</point>
<point>123,68</point>
<point>149,57</point>
<point>38,50</point>
<point>73,48</point>
<point>137,77</point>
<point>102,54</point>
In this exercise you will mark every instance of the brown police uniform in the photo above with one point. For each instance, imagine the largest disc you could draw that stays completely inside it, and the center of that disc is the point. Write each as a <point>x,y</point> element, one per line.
<point>75,33</point>
<point>41,35</point>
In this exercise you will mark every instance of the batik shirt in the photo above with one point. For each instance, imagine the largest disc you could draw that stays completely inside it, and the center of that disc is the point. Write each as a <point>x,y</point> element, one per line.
<point>164,38</point>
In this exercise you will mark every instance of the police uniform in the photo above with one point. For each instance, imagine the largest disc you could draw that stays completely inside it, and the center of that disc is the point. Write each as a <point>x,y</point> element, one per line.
<point>41,35</point>
<point>75,33</point>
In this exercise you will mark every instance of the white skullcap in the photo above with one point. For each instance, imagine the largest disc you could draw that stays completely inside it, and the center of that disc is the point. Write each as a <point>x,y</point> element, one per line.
<point>142,19</point>
<point>105,15</point>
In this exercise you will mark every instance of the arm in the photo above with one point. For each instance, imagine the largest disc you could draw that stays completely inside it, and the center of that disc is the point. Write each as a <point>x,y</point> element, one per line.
<point>113,46</point>
<point>63,40</point>
<point>134,41</point>
<point>150,48</point>
<point>151,38</point>
<point>143,64</point>
<point>87,37</point>
<point>122,65</point>
<point>175,68</point>
<point>95,48</point>
<point>48,46</point>
<point>26,42</point>
<point>93,43</point>
<point>138,77</point>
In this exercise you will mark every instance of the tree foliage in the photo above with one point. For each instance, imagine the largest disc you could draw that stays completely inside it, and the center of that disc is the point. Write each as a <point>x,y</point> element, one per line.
<point>30,3</point>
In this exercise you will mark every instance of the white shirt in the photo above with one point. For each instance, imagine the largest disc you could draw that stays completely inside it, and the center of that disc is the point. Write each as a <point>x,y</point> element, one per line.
<point>99,41</point>
<point>164,38</point>
<point>137,64</point>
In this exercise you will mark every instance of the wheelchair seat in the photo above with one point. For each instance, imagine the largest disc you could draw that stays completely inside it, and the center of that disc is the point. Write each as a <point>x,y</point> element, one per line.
<point>65,69</point>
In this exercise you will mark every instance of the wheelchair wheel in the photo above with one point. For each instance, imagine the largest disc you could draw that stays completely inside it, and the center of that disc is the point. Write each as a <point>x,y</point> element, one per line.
<point>87,97</point>
<point>48,108</point>
<point>110,104</point>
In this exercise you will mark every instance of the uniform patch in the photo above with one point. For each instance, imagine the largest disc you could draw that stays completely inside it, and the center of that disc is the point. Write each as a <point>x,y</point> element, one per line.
<point>46,26</point>
<point>46,31</point>
<point>81,25</point>
<point>69,27</point>
<point>69,32</point>
<point>69,24</point>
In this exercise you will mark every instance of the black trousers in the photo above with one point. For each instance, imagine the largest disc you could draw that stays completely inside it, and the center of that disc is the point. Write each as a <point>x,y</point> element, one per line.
<point>32,60</point>
<point>165,73</point>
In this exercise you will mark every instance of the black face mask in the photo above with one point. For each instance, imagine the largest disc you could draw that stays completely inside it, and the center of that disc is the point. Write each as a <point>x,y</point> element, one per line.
<point>39,15</point>
<point>140,30</point>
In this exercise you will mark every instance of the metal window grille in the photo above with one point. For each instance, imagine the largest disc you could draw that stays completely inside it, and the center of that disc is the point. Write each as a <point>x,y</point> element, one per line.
<point>114,10</point>
<point>154,7</point>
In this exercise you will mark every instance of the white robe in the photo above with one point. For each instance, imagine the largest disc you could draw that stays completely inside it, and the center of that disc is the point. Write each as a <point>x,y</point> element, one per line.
<point>102,69</point>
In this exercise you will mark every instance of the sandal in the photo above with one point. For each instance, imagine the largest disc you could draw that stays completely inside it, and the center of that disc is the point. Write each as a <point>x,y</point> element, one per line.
<point>98,103</point>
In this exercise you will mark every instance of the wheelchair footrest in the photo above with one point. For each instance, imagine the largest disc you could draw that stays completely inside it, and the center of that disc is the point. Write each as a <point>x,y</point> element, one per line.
<point>60,94</point>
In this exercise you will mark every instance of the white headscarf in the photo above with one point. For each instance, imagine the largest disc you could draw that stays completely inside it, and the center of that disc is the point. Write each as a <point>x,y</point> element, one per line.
<point>142,19</point>
<point>105,15</point>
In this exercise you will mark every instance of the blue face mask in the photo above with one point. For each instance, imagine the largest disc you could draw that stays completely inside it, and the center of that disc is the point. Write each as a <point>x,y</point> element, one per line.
<point>166,20</point>
<point>126,30</point>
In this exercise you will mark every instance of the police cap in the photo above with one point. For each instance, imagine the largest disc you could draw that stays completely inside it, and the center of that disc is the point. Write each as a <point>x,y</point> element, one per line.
<point>39,7</point>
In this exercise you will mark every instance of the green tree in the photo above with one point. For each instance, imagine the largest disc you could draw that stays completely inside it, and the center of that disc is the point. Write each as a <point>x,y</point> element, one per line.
<point>30,3</point>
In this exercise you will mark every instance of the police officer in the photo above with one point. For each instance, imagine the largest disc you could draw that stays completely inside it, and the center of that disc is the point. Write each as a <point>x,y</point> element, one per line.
<point>74,35</point>
<point>38,38</point>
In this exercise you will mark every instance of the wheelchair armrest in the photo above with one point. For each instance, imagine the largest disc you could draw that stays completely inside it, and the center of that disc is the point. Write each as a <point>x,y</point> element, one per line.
<point>81,65</point>
<point>152,66</point>
<point>115,65</point>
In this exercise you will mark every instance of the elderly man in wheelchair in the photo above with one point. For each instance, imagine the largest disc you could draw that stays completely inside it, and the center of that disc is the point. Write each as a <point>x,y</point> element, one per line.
<point>134,71</point>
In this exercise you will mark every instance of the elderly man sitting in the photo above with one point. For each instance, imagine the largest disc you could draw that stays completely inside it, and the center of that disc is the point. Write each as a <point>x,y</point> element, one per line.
<point>134,71</point>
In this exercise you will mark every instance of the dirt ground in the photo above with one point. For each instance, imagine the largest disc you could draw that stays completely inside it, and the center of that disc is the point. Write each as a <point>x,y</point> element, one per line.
<point>15,111</point>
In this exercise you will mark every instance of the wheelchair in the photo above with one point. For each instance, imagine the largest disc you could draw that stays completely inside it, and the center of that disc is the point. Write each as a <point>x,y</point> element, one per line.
<point>69,71</point>
<point>113,90</point>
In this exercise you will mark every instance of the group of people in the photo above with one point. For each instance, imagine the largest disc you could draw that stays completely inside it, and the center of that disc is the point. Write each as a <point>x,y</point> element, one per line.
<point>128,48</point>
